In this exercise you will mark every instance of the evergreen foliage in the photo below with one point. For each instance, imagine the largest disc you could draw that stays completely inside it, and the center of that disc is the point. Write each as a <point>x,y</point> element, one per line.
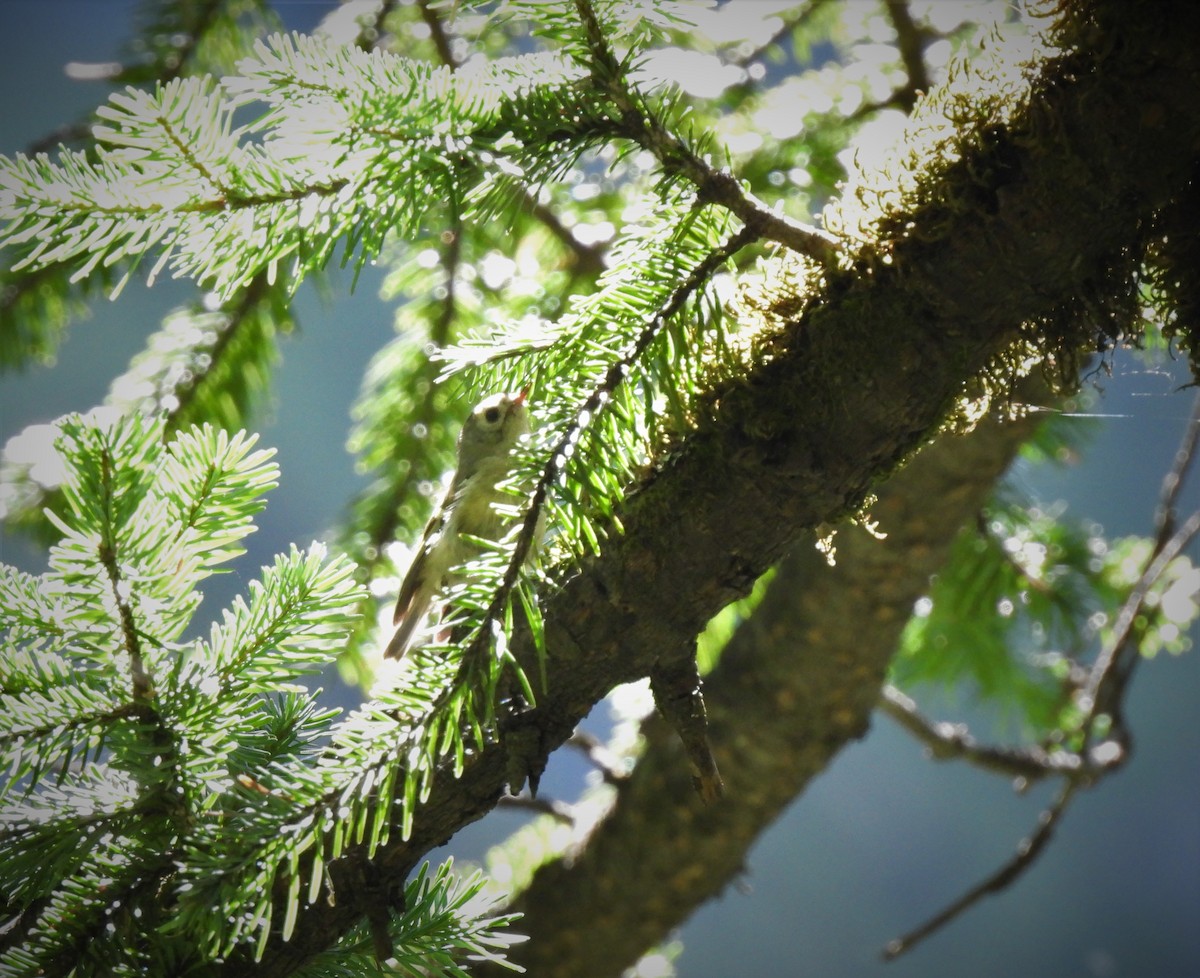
<point>170,40</point>
<point>176,794</point>
<point>1023,599</point>
<point>153,778</point>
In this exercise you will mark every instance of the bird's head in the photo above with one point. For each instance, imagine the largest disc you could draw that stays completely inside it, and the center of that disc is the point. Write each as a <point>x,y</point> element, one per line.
<point>495,425</point>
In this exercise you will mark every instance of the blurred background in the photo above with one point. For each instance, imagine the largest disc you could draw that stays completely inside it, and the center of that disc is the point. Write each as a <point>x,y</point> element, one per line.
<point>885,837</point>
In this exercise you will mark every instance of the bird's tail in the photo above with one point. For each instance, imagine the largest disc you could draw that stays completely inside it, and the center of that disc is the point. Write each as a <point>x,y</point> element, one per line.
<point>413,617</point>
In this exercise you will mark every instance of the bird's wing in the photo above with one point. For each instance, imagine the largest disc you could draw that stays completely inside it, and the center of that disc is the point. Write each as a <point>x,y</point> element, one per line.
<point>419,569</point>
<point>424,577</point>
<point>416,593</point>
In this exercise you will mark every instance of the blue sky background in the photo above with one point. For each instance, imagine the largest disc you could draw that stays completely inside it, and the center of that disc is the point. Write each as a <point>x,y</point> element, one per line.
<point>880,840</point>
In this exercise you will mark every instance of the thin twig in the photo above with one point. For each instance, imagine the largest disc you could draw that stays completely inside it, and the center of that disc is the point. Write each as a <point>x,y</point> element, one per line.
<point>1027,851</point>
<point>589,259</point>
<point>437,33</point>
<point>789,25</point>
<point>235,316</point>
<point>64,135</point>
<point>598,753</point>
<point>1172,484</point>
<point>1105,689</point>
<point>910,41</point>
<point>1110,675</point>
<point>558,810</point>
<point>950,741</point>
<point>1102,694</point>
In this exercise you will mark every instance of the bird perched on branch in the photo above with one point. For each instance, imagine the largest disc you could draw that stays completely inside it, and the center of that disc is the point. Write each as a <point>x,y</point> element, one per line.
<point>484,459</point>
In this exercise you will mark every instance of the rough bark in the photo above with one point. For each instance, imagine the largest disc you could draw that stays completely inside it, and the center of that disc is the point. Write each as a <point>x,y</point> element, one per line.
<point>797,682</point>
<point>1061,194</point>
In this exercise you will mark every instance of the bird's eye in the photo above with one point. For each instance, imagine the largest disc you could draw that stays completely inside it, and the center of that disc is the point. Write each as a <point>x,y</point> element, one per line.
<point>491,415</point>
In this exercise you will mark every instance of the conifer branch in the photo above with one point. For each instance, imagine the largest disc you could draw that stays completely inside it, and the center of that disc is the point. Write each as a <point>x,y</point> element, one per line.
<point>238,315</point>
<point>601,393</point>
<point>638,123</point>
<point>176,61</point>
<point>589,260</point>
<point>143,686</point>
<point>133,710</point>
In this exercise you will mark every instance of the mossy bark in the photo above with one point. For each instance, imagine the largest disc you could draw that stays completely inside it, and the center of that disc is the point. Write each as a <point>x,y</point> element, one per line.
<point>1041,217</point>
<point>797,682</point>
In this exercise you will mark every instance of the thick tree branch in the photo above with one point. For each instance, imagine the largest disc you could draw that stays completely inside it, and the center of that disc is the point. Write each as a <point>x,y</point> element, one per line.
<point>665,854</point>
<point>797,682</point>
<point>1060,194</point>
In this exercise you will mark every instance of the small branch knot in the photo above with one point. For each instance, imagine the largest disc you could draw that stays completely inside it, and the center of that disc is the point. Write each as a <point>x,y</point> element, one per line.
<point>676,687</point>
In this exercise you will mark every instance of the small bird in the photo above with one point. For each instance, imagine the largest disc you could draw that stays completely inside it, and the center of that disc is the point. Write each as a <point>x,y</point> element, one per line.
<point>485,444</point>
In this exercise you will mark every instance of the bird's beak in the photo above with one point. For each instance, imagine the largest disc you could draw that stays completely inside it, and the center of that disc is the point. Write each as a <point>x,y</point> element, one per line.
<point>520,398</point>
